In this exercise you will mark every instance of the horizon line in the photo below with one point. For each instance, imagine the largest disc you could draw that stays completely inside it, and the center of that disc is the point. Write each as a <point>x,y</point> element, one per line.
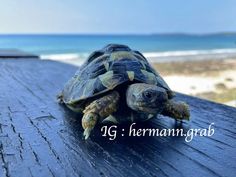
<point>129,34</point>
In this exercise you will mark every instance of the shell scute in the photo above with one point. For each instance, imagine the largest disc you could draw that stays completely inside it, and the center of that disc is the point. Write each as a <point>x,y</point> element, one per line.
<point>106,69</point>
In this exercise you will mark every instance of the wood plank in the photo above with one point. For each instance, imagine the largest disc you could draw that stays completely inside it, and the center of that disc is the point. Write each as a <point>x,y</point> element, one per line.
<point>15,53</point>
<point>39,137</point>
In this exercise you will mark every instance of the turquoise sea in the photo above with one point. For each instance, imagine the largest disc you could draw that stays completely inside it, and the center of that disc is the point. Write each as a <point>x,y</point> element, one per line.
<point>151,45</point>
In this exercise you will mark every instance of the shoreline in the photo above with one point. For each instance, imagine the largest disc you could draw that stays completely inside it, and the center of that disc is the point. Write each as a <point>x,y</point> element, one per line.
<point>160,56</point>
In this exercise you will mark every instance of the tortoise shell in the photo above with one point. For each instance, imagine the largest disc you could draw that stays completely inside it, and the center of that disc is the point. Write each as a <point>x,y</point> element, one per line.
<point>106,69</point>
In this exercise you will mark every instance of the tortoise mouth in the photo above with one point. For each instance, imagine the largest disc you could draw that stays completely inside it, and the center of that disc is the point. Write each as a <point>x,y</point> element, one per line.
<point>144,104</point>
<point>144,107</point>
<point>148,107</point>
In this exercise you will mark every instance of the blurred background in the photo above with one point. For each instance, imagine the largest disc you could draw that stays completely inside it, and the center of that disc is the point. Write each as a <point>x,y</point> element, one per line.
<point>191,43</point>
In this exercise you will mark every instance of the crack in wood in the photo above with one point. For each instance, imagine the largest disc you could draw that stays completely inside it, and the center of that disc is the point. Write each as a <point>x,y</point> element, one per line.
<point>4,163</point>
<point>46,140</point>
<point>50,170</point>
<point>45,117</point>
<point>35,155</point>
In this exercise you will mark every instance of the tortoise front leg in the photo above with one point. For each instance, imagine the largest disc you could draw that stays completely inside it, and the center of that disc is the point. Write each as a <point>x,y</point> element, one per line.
<point>99,109</point>
<point>176,110</point>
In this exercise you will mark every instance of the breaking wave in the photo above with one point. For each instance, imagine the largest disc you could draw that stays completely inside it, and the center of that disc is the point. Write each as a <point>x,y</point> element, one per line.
<point>156,56</point>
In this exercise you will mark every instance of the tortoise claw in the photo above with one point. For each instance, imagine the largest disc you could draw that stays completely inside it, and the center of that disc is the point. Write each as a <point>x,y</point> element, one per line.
<point>86,133</point>
<point>89,121</point>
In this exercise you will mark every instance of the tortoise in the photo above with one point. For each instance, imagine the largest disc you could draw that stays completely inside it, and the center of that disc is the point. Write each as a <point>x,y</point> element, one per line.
<point>117,84</point>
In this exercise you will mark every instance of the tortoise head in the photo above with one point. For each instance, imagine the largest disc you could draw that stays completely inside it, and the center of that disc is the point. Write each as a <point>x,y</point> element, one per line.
<point>146,98</point>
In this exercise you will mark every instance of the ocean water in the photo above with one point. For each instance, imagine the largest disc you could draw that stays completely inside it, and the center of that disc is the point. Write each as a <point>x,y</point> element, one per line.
<point>153,46</point>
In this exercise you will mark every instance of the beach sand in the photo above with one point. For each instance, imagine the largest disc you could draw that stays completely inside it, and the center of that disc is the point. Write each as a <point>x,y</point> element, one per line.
<point>210,79</point>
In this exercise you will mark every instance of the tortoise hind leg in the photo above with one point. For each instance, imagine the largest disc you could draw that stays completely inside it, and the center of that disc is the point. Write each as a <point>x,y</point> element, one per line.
<point>99,109</point>
<point>176,110</point>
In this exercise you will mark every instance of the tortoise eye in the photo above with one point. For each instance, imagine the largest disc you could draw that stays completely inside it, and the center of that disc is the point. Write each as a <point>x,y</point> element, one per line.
<point>148,94</point>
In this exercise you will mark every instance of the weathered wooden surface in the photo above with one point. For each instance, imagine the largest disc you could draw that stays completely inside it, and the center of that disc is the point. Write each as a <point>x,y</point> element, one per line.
<point>14,53</point>
<point>39,138</point>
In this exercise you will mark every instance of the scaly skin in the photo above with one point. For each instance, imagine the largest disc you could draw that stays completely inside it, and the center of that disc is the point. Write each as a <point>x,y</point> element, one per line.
<point>176,110</point>
<point>98,110</point>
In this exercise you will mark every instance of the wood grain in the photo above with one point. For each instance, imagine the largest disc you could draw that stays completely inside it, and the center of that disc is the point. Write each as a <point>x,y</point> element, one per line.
<point>39,137</point>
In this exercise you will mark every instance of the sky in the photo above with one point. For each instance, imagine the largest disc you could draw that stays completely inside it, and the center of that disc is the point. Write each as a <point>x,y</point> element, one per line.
<point>117,16</point>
